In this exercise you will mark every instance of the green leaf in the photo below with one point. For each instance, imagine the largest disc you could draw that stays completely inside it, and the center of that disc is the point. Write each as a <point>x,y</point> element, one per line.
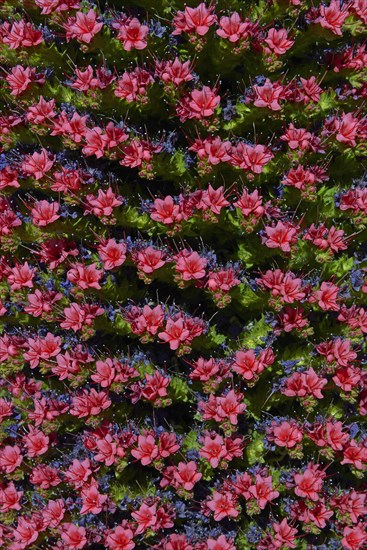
<point>179,390</point>
<point>255,333</point>
<point>255,450</point>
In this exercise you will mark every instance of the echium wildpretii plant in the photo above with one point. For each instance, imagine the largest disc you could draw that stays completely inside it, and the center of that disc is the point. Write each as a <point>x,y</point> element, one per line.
<point>183,274</point>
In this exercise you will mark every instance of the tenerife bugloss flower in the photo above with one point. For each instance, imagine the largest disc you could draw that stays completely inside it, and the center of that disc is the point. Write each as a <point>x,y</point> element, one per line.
<point>83,27</point>
<point>133,34</point>
<point>194,20</point>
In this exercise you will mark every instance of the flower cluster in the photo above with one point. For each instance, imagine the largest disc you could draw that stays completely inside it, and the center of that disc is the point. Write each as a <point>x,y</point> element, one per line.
<point>183,275</point>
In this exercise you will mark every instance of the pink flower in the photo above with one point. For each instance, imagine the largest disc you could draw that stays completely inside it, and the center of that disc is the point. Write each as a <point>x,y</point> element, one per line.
<point>150,259</point>
<point>83,27</point>
<point>147,449</point>
<point>230,406</point>
<point>190,265</point>
<point>332,17</point>
<point>54,513</point>
<point>38,164</point>
<point>19,79</point>
<point>10,458</point>
<point>9,498</point>
<point>175,333</point>
<point>95,143</point>
<point>278,41</point>
<point>41,112</point>
<point>282,236</point>
<point>213,450</point>
<point>79,472</point>
<point>347,129</point>
<point>74,537</point>
<point>263,491</point>
<point>327,296</point>
<point>354,537</point>
<point>308,484</point>
<point>287,435</point>
<point>85,276</point>
<point>203,102</point>
<point>233,28</point>
<point>133,34</point>
<point>187,475</point>
<point>166,211</point>
<point>44,212</point>
<point>194,20</point>
<point>120,538</point>
<point>21,276</point>
<point>221,543</point>
<point>145,517</point>
<point>92,500</point>
<point>104,203</point>
<point>25,533</point>
<point>175,72</point>
<point>285,535</point>
<point>268,95</point>
<point>223,505</point>
<point>250,158</point>
<point>111,253</point>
